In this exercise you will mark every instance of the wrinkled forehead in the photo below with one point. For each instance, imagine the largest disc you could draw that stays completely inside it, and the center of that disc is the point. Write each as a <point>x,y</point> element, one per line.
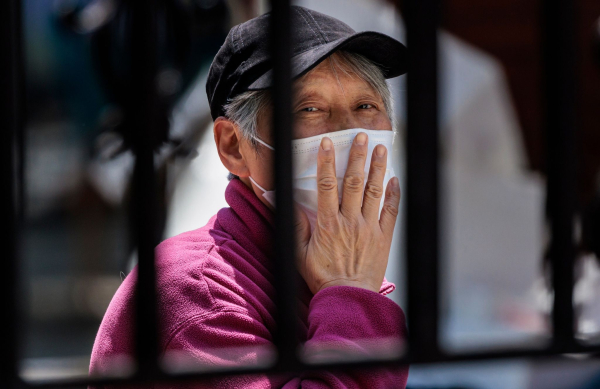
<point>332,73</point>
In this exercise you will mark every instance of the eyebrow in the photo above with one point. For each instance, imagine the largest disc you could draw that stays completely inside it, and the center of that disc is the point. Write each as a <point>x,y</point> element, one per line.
<point>306,95</point>
<point>314,93</point>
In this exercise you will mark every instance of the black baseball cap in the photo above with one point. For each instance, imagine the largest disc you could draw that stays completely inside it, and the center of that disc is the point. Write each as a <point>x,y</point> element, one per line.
<point>244,63</point>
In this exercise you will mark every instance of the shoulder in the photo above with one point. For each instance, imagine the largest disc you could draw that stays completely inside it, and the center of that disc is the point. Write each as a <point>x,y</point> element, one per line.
<point>193,281</point>
<point>208,270</point>
<point>205,272</point>
<point>171,250</point>
<point>181,264</point>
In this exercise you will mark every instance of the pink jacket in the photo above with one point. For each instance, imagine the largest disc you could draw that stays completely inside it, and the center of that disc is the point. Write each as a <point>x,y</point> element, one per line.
<point>216,303</point>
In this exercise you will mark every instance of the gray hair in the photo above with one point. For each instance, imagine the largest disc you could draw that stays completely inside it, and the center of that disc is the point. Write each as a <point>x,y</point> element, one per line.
<point>245,108</point>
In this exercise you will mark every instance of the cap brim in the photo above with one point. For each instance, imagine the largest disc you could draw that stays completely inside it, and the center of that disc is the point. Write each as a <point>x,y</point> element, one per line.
<point>386,52</point>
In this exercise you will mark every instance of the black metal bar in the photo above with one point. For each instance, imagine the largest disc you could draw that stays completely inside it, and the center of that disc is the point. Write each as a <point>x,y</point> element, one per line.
<point>560,87</point>
<point>422,177</point>
<point>332,367</point>
<point>284,267</point>
<point>144,204</point>
<point>11,65</point>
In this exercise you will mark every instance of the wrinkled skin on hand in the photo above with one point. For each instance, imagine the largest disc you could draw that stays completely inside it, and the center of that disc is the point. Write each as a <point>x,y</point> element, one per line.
<point>351,242</point>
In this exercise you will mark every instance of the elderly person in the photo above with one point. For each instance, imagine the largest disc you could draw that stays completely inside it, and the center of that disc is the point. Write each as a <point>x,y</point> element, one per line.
<point>215,287</point>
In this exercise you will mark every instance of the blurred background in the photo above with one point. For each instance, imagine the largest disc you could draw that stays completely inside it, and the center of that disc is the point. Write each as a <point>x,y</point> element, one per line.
<point>75,244</point>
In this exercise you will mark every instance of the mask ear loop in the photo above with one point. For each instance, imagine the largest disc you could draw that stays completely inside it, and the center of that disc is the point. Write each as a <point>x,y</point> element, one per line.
<point>259,187</point>
<point>263,143</point>
<point>269,147</point>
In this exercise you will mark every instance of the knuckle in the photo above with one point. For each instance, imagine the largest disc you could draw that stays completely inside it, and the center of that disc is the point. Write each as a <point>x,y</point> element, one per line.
<point>377,169</point>
<point>394,196</point>
<point>373,190</point>
<point>377,166</point>
<point>327,159</point>
<point>353,182</point>
<point>390,209</point>
<point>357,156</point>
<point>327,183</point>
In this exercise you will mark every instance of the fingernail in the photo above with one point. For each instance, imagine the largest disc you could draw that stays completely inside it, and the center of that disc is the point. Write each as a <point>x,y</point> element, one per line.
<point>380,150</point>
<point>326,144</point>
<point>361,139</point>
<point>395,184</point>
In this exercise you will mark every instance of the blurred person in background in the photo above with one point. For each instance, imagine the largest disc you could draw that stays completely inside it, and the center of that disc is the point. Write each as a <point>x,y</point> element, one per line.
<point>215,287</point>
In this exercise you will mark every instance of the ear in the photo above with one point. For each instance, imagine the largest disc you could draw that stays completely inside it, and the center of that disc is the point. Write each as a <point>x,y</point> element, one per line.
<point>227,139</point>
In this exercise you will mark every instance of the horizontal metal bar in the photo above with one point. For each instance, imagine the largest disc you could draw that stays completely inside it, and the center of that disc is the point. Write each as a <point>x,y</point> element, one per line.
<point>333,367</point>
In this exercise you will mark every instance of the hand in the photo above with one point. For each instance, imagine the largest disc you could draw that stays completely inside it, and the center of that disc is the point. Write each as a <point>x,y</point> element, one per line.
<point>350,244</point>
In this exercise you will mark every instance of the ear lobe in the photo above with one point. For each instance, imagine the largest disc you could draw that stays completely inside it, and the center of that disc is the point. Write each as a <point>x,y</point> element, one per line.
<point>227,140</point>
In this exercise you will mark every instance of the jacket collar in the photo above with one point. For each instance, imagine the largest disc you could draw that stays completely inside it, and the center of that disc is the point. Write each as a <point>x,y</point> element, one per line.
<point>248,220</point>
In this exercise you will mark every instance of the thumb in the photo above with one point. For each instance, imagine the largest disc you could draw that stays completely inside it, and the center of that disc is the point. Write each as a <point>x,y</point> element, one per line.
<point>302,229</point>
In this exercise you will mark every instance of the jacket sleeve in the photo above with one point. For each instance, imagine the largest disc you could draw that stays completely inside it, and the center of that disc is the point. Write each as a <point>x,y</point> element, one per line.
<point>342,322</point>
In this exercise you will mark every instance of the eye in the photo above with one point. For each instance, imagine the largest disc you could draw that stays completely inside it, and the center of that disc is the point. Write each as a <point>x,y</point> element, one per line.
<point>310,109</point>
<point>365,106</point>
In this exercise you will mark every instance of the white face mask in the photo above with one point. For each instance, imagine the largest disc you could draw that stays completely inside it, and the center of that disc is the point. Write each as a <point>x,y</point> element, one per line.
<point>305,151</point>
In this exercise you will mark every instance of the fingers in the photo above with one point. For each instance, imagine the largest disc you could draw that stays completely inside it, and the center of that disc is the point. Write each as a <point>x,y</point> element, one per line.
<point>389,213</point>
<point>327,190</point>
<point>354,179</point>
<point>374,187</point>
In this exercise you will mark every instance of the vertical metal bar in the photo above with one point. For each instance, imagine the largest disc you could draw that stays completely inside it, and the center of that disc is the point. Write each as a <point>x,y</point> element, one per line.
<point>560,102</point>
<point>284,263</point>
<point>11,65</point>
<point>422,177</point>
<point>144,191</point>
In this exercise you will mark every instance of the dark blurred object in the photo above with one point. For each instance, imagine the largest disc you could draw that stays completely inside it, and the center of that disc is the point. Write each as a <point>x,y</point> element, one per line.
<point>181,36</point>
<point>188,33</point>
<point>591,217</point>
<point>597,40</point>
<point>590,240</point>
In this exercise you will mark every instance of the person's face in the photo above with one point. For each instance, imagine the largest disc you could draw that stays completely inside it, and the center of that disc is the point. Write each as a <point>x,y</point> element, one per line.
<point>327,101</point>
<point>324,101</point>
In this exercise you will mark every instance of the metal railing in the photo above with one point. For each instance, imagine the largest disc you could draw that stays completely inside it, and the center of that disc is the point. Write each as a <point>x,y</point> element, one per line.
<point>422,19</point>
